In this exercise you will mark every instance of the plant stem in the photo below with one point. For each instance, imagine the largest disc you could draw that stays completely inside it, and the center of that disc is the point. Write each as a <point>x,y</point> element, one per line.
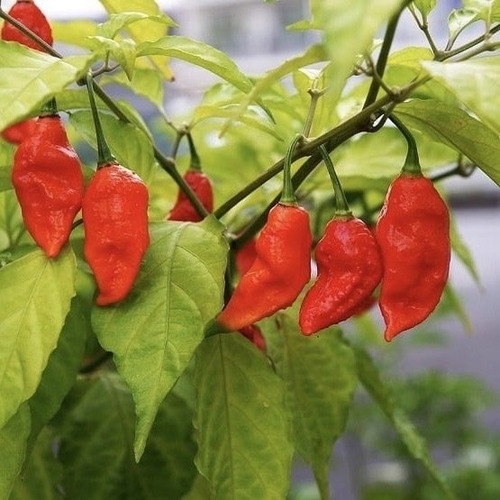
<point>424,27</point>
<point>175,146</point>
<point>195,159</point>
<point>459,50</point>
<point>104,155</point>
<point>288,194</point>
<point>341,205</point>
<point>315,95</point>
<point>412,162</point>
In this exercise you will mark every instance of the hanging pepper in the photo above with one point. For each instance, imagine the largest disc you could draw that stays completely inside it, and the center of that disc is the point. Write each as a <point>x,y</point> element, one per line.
<point>48,182</point>
<point>413,234</point>
<point>184,210</point>
<point>27,13</point>
<point>254,334</point>
<point>114,212</point>
<point>349,267</point>
<point>282,265</point>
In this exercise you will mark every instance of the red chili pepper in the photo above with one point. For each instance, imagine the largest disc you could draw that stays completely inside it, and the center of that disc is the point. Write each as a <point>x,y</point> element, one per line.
<point>183,209</point>
<point>349,270</point>
<point>254,334</point>
<point>26,12</point>
<point>48,182</point>
<point>15,134</point>
<point>245,256</point>
<point>114,212</point>
<point>413,234</point>
<point>279,272</point>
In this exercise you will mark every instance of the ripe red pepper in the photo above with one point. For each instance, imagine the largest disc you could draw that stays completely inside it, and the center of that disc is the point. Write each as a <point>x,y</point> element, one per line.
<point>114,212</point>
<point>245,256</point>
<point>48,182</point>
<point>183,210</point>
<point>254,334</point>
<point>15,134</point>
<point>413,234</point>
<point>349,270</point>
<point>26,12</point>
<point>279,272</point>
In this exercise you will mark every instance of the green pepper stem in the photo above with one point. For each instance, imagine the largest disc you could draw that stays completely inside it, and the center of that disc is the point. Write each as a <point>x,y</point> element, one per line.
<point>195,159</point>
<point>412,162</point>
<point>341,205</point>
<point>104,155</point>
<point>288,193</point>
<point>49,108</point>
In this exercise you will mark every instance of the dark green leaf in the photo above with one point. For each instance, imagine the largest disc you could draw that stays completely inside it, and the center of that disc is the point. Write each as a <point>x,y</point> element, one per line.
<point>37,296</point>
<point>244,434</point>
<point>154,333</point>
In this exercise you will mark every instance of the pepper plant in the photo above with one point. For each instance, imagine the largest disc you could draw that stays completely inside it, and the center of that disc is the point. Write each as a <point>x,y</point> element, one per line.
<point>149,395</point>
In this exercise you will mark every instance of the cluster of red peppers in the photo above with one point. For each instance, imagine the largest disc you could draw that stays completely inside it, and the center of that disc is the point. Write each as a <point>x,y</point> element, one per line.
<point>48,181</point>
<point>408,254</point>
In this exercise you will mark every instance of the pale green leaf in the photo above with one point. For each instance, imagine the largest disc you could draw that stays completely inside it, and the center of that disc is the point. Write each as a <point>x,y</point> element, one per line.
<point>130,146</point>
<point>320,378</point>
<point>13,436</point>
<point>458,20</point>
<point>41,478</point>
<point>60,373</point>
<point>6,161</point>
<point>371,379</point>
<point>76,33</point>
<point>487,10</point>
<point>145,31</point>
<point>11,222</point>
<point>458,307</point>
<point>42,76</point>
<point>154,333</point>
<point>456,128</point>
<point>244,434</point>
<point>410,57</point>
<point>302,25</point>
<point>462,251</point>
<point>476,83</point>
<point>99,436</point>
<point>117,22</point>
<point>122,51</point>
<point>349,28</point>
<point>37,295</point>
<point>200,54</point>
<point>425,6</point>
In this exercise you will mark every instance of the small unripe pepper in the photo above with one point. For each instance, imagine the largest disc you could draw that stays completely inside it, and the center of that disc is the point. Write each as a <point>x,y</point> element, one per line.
<point>349,267</point>
<point>413,232</point>
<point>114,212</point>
<point>26,12</point>
<point>32,17</point>
<point>282,265</point>
<point>48,182</point>
<point>115,219</point>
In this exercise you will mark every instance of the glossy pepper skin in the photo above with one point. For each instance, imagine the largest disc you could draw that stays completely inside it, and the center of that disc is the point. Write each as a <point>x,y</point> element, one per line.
<point>32,17</point>
<point>254,334</point>
<point>279,272</point>
<point>349,270</point>
<point>245,256</point>
<point>413,235</point>
<point>183,210</point>
<point>48,181</point>
<point>114,212</point>
<point>15,134</point>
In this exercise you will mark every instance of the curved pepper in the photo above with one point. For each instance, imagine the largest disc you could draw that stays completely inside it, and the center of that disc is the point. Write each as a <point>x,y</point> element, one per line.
<point>279,272</point>
<point>114,212</point>
<point>48,182</point>
<point>413,234</point>
<point>183,210</point>
<point>15,134</point>
<point>349,270</point>
<point>26,12</point>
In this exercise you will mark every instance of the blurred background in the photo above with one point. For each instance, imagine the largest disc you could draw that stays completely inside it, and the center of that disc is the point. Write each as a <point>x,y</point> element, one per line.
<point>446,377</point>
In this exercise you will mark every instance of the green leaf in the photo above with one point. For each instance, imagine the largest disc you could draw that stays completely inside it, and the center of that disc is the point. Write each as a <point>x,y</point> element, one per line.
<point>457,129</point>
<point>371,379</point>
<point>458,20</point>
<point>154,333</point>
<point>320,378</point>
<point>200,489</point>
<point>99,437</point>
<point>458,307</point>
<point>425,6</point>
<point>37,296</point>
<point>122,51</point>
<point>13,436</point>
<point>245,447</point>
<point>475,83</point>
<point>6,161</point>
<point>117,22</point>
<point>200,54</point>
<point>42,76</point>
<point>462,251</point>
<point>488,10</point>
<point>76,33</point>
<point>43,474</point>
<point>145,31</point>
<point>130,146</point>
<point>349,29</point>
<point>62,369</point>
